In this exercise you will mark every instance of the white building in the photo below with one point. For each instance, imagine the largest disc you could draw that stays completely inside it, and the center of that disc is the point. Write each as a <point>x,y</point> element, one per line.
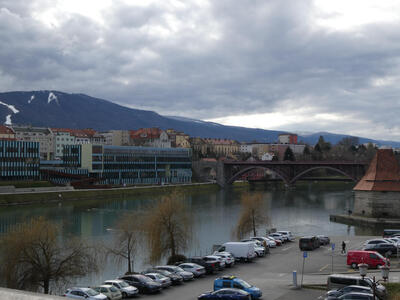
<point>42,135</point>
<point>62,137</point>
<point>246,148</point>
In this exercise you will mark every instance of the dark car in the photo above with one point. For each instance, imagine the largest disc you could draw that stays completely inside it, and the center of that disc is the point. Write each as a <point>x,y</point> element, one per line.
<point>308,243</point>
<point>384,248</point>
<point>324,240</point>
<point>143,283</point>
<point>210,266</point>
<point>335,294</point>
<point>226,294</point>
<point>175,278</point>
<point>358,296</point>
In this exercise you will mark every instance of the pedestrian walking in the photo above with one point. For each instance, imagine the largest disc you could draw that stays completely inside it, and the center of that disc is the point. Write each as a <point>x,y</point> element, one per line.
<point>343,247</point>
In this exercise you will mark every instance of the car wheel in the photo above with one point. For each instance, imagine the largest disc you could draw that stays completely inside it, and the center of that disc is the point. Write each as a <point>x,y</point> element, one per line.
<point>354,266</point>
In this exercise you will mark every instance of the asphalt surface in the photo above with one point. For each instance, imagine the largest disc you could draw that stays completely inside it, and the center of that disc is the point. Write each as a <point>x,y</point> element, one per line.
<point>273,274</point>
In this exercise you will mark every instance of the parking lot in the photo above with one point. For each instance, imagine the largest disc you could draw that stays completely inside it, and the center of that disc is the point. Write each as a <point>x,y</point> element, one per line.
<point>273,274</point>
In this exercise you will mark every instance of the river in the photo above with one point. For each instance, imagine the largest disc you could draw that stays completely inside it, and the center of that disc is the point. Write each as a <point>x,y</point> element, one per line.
<point>304,210</point>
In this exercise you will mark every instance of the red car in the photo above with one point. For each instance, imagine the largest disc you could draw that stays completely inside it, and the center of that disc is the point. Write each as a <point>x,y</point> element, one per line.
<point>372,258</point>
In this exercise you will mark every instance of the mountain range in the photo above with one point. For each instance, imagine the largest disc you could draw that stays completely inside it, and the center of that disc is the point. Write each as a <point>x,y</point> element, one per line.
<point>63,110</point>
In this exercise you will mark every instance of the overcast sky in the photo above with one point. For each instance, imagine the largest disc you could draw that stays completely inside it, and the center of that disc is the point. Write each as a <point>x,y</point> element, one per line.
<point>281,64</point>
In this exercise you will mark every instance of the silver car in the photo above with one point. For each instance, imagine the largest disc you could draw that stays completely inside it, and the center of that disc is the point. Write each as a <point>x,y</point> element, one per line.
<point>84,293</point>
<point>161,279</point>
<point>176,270</point>
<point>196,269</point>
<point>127,290</point>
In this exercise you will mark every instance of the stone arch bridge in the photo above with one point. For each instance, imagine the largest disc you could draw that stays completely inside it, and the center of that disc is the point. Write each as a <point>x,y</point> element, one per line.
<point>289,171</point>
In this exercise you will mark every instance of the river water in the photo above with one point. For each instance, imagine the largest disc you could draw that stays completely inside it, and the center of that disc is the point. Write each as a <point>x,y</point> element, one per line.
<point>303,210</point>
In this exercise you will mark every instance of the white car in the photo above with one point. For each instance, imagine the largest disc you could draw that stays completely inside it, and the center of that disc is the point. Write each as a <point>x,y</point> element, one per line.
<point>84,293</point>
<point>109,290</point>
<point>196,269</point>
<point>287,234</point>
<point>376,241</point>
<point>270,242</point>
<point>126,289</point>
<point>229,259</point>
<point>161,279</point>
<point>278,236</point>
<point>258,247</point>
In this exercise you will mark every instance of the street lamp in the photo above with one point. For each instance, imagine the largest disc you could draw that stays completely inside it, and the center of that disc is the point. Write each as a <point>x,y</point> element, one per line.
<point>384,271</point>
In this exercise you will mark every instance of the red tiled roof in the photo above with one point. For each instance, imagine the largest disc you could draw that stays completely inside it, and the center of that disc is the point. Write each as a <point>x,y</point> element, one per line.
<point>145,133</point>
<point>6,130</point>
<point>383,173</point>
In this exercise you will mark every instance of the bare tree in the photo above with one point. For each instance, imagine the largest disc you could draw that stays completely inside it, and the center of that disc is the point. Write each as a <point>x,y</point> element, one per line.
<point>252,215</point>
<point>33,257</point>
<point>168,227</point>
<point>128,235</point>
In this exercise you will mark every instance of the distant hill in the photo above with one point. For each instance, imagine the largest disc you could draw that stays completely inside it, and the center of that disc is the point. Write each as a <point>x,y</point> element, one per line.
<point>61,110</point>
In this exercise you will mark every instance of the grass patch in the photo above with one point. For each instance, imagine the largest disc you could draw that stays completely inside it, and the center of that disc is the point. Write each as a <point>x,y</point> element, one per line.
<point>393,289</point>
<point>27,184</point>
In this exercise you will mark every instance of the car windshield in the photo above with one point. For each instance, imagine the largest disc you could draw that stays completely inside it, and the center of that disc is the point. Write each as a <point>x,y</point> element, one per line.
<point>113,289</point>
<point>91,292</point>
<point>243,283</point>
<point>123,284</point>
<point>178,269</point>
<point>145,279</point>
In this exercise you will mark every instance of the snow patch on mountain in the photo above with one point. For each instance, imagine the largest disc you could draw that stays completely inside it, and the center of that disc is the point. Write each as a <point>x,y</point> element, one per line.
<point>8,120</point>
<point>10,107</point>
<point>52,97</point>
<point>32,98</point>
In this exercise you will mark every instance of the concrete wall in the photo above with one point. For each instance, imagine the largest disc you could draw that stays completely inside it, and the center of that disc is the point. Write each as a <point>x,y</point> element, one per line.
<point>10,294</point>
<point>377,204</point>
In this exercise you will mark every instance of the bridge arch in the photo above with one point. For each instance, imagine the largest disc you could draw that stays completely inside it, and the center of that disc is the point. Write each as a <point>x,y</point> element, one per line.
<point>245,170</point>
<point>298,176</point>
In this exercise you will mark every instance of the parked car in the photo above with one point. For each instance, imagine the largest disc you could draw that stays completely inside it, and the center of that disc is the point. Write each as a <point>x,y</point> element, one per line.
<point>278,236</point>
<point>161,279</point>
<point>84,293</point>
<point>355,295</point>
<point>210,266</point>
<point>258,247</point>
<point>390,232</point>
<point>225,294</point>
<point>383,248</point>
<point>126,290</point>
<point>176,270</point>
<point>287,234</point>
<point>336,281</point>
<point>221,260</point>
<point>109,290</point>
<point>235,282</point>
<point>196,269</point>
<point>277,242</point>
<point>175,278</point>
<point>241,251</point>
<point>324,240</point>
<point>229,258</point>
<point>270,242</point>
<point>335,294</point>
<point>308,243</point>
<point>376,241</point>
<point>371,258</point>
<point>143,283</point>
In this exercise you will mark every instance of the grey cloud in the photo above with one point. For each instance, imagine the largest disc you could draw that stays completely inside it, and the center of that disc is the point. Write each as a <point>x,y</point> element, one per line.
<point>228,58</point>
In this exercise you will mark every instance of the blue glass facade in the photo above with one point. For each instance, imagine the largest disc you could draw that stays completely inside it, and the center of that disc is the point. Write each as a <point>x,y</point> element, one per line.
<point>19,160</point>
<point>133,165</point>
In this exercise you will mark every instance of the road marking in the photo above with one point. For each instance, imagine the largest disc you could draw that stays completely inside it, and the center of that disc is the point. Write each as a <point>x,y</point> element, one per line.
<point>324,267</point>
<point>284,249</point>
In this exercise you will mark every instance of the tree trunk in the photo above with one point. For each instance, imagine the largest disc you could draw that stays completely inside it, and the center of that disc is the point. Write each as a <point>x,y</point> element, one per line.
<point>172,239</point>
<point>46,284</point>
<point>254,224</point>
<point>129,262</point>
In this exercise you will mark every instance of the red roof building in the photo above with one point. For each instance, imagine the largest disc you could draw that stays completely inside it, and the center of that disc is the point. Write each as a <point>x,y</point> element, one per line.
<point>6,133</point>
<point>383,174</point>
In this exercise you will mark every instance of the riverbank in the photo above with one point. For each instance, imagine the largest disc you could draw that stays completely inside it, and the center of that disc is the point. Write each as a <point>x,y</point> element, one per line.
<point>364,221</point>
<point>25,198</point>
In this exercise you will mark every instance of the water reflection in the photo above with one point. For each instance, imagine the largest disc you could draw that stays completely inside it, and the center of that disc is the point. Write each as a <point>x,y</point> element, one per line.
<point>304,210</point>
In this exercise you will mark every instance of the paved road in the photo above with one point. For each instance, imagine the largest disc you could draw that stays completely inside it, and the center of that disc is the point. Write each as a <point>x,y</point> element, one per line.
<point>273,273</point>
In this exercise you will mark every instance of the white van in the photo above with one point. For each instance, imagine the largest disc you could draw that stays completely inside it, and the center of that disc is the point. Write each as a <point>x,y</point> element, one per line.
<point>244,251</point>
